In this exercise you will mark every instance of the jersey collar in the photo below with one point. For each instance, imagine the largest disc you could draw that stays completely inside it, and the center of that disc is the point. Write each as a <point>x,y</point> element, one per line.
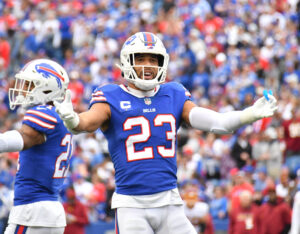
<point>139,93</point>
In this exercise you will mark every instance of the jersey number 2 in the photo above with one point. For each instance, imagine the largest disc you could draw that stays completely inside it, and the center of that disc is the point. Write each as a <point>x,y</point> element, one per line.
<point>147,152</point>
<point>61,171</point>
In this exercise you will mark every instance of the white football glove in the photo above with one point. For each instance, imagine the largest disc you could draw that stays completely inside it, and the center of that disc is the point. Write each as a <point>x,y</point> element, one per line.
<point>66,112</point>
<point>262,108</point>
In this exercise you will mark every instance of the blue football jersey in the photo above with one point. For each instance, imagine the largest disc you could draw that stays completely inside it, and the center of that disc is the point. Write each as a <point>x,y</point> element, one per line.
<point>42,168</point>
<point>142,137</point>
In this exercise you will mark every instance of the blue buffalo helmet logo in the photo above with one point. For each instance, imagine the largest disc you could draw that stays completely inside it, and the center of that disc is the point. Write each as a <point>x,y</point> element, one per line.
<point>47,71</point>
<point>129,40</point>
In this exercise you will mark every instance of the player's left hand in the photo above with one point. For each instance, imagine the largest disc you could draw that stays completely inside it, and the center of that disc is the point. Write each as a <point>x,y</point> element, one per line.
<point>262,108</point>
<point>66,112</point>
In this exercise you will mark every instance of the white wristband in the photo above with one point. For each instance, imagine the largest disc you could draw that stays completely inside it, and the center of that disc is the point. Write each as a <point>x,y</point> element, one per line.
<point>72,122</point>
<point>11,141</point>
<point>247,116</point>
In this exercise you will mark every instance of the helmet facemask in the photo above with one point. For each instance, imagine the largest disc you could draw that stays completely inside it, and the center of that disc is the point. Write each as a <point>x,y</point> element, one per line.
<point>139,78</point>
<point>22,93</point>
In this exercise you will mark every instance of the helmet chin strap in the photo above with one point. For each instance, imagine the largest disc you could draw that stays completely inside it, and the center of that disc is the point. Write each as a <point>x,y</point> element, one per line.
<point>20,98</point>
<point>144,87</point>
<point>142,84</point>
<point>142,93</point>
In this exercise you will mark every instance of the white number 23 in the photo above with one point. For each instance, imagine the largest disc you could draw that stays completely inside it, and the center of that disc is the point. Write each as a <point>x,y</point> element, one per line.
<point>147,152</point>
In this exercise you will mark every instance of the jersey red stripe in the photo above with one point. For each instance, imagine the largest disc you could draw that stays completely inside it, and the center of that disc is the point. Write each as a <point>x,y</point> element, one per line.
<point>21,229</point>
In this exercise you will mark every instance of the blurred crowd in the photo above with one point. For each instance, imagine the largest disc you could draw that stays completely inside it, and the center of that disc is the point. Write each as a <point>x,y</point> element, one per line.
<point>225,52</point>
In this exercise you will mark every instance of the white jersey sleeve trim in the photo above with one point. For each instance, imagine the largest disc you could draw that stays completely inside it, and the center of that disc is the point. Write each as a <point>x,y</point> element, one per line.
<point>42,115</point>
<point>39,122</point>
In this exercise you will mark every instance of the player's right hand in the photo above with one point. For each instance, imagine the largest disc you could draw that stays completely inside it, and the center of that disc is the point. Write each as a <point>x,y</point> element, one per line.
<point>66,112</point>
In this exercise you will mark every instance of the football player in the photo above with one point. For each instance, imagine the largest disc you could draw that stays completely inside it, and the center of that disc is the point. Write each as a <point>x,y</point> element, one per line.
<point>45,147</point>
<point>140,122</point>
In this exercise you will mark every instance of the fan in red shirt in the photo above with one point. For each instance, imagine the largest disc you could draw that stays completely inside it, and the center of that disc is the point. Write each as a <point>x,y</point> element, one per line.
<point>245,218</point>
<point>291,130</point>
<point>274,215</point>
<point>76,213</point>
<point>76,87</point>
<point>240,184</point>
<point>4,50</point>
<point>210,25</point>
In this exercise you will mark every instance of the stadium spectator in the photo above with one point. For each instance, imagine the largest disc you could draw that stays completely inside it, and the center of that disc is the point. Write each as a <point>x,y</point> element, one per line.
<point>267,152</point>
<point>50,35</point>
<point>65,25</point>
<point>240,184</point>
<point>76,214</point>
<point>82,186</point>
<point>242,149</point>
<point>283,185</point>
<point>97,198</point>
<point>275,214</point>
<point>245,218</point>
<point>211,153</point>
<point>295,225</point>
<point>219,210</point>
<point>4,52</point>
<point>197,212</point>
<point>6,198</point>
<point>77,88</point>
<point>292,139</point>
<point>260,182</point>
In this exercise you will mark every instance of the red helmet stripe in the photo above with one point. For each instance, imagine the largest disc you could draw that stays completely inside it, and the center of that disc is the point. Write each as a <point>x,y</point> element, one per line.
<point>149,39</point>
<point>53,72</point>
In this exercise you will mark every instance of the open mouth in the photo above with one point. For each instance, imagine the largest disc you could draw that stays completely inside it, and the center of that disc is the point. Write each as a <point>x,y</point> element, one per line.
<point>148,75</point>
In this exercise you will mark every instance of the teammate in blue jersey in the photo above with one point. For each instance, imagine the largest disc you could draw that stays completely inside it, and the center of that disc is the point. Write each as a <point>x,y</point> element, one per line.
<point>45,146</point>
<point>140,122</point>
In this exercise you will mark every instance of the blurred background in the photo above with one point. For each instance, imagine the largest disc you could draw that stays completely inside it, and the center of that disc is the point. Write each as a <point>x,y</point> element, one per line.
<point>225,52</point>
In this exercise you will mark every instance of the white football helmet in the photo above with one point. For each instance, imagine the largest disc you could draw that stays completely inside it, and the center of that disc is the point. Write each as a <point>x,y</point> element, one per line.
<point>140,43</point>
<point>37,83</point>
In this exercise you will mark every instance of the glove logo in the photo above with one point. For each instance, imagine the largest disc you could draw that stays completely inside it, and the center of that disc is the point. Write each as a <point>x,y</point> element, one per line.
<point>46,70</point>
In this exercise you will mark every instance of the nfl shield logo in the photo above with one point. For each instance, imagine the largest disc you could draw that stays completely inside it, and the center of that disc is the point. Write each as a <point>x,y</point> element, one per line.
<point>147,101</point>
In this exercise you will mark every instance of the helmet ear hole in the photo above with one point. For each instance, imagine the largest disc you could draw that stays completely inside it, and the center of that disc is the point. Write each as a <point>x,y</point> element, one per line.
<point>160,60</point>
<point>159,78</point>
<point>131,59</point>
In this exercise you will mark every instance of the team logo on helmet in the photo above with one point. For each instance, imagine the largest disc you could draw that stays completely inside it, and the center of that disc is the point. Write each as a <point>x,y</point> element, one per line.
<point>129,40</point>
<point>47,71</point>
<point>149,39</point>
